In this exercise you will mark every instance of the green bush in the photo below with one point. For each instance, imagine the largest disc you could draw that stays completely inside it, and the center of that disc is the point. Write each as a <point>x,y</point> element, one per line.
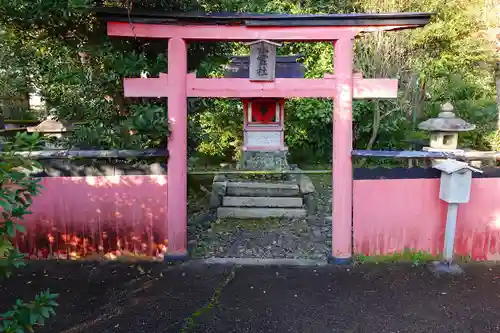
<point>63,51</point>
<point>16,195</point>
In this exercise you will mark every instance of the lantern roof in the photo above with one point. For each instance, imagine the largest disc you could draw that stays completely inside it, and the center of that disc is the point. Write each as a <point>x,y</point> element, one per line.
<point>289,67</point>
<point>154,16</point>
<point>446,121</point>
<point>51,125</point>
<point>262,41</point>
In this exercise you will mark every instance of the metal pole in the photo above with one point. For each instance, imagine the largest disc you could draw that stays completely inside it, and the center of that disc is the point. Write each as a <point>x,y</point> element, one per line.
<point>449,236</point>
<point>50,154</point>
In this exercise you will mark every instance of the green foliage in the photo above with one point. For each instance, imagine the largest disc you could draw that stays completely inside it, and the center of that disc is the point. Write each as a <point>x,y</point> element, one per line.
<point>412,256</point>
<point>446,61</point>
<point>309,129</point>
<point>145,127</point>
<point>16,195</point>
<point>59,48</point>
<point>66,55</point>
<point>27,316</point>
<point>221,131</point>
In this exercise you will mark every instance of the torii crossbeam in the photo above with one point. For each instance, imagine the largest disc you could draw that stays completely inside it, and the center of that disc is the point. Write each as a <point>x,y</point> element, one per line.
<point>241,88</point>
<point>178,85</point>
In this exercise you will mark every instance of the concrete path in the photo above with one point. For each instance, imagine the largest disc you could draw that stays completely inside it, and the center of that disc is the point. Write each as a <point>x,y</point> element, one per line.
<point>135,298</point>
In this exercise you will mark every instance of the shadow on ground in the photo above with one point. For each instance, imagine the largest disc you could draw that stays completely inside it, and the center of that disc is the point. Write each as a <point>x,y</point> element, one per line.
<point>117,297</point>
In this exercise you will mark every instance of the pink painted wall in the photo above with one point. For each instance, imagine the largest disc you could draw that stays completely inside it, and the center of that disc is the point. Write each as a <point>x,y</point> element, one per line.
<point>395,214</point>
<point>80,216</point>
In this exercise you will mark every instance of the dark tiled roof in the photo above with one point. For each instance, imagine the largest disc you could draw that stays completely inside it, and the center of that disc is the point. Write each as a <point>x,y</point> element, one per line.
<point>286,67</point>
<point>253,19</point>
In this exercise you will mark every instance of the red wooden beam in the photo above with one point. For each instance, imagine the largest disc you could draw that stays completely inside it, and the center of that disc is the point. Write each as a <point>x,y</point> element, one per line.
<point>375,88</point>
<point>146,87</point>
<point>288,88</point>
<point>371,88</point>
<point>239,33</point>
<point>243,88</point>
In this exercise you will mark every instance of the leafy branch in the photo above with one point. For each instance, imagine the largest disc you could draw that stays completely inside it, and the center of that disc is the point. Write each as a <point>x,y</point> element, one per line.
<point>17,190</point>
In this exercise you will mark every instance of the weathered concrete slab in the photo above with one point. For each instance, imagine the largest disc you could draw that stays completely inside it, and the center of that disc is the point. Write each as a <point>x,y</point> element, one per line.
<point>258,262</point>
<point>257,189</point>
<point>150,298</point>
<point>305,183</point>
<point>219,188</point>
<point>281,185</point>
<point>310,204</point>
<point>262,202</point>
<point>260,213</point>
<point>264,160</point>
<point>116,296</point>
<point>375,298</point>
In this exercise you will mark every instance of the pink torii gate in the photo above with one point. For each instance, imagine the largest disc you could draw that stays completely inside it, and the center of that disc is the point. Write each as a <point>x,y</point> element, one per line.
<point>178,85</point>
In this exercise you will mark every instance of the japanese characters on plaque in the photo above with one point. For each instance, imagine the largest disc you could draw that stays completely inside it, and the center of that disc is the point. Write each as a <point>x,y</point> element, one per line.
<point>262,60</point>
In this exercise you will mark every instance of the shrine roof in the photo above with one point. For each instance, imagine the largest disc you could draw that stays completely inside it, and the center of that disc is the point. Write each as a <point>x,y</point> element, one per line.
<point>265,20</point>
<point>279,59</point>
<point>286,67</point>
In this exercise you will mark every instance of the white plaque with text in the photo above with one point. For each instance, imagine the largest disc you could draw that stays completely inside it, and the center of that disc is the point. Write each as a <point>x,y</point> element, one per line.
<point>263,139</point>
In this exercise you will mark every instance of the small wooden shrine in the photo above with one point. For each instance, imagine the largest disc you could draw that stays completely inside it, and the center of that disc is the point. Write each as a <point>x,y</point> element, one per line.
<point>264,117</point>
<point>264,146</point>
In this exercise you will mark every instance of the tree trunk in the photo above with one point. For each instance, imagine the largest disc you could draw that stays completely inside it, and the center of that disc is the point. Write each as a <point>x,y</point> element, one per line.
<point>498,103</point>
<point>120,105</point>
<point>375,129</point>
<point>421,99</point>
<point>497,78</point>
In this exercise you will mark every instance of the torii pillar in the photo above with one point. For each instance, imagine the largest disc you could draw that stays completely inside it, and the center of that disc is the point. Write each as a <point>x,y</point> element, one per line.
<point>341,151</point>
<point>177,142</point>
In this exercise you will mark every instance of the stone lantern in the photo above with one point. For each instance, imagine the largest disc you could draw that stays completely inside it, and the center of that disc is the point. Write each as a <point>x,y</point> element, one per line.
<point>444,130</point>
<point>52,128</point>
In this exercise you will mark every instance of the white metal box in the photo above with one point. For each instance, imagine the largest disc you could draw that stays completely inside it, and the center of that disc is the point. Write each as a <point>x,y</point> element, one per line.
<point>456,181</point>
<point>455,187</point>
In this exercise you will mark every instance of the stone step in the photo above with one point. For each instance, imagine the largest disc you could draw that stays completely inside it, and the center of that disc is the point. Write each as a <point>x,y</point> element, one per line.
<point>262,202</point>
<point>259,213</point>
<point>261,189</point>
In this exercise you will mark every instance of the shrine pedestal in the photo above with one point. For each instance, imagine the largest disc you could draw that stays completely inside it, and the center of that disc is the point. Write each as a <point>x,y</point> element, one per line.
<point>263,195</point>
<point>264,160</point>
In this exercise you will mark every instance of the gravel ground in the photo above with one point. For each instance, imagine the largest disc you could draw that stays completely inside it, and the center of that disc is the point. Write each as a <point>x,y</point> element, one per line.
<point>136,298</point>
<point>270,238</point>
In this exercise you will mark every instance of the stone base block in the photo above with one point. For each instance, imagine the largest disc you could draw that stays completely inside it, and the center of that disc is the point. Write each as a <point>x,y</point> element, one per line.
<point>260,189</point>
<point>259,213</point>
<point>264,160</point>
<point>262,202</point>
